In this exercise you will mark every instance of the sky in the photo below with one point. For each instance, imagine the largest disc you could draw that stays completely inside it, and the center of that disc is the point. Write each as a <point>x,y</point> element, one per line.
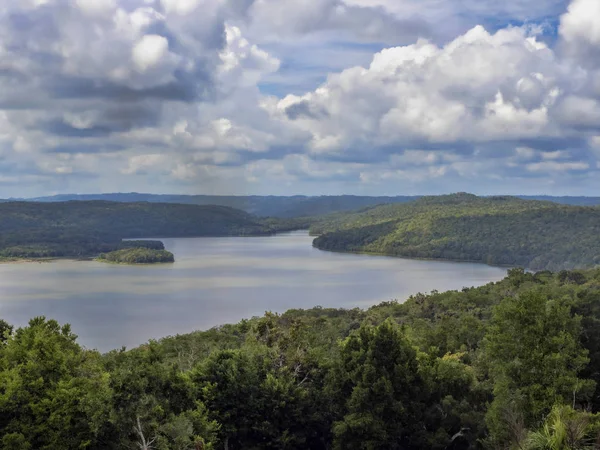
<point>283,97</point>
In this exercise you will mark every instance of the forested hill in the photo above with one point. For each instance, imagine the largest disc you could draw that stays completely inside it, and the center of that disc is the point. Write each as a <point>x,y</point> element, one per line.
<point>281,206</point>
<point>88,228</point>
<point>509,365</point>
<point>493,230</point>
<point>565,200</point>
<point>263,206</point>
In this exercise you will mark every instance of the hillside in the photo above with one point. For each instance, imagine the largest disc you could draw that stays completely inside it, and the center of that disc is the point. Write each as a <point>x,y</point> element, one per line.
<point>565,200</point>
<point>493,230</point>
<point>281,206</point>
<point>455,370</point>
<point>263,206</point>
<point>91,227</point>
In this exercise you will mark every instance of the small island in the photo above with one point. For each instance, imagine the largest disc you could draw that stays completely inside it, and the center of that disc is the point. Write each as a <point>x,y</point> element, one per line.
<point>137,255</point>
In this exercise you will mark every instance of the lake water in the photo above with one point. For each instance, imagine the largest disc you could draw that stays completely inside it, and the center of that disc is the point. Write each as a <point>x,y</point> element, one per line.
<point>215,281</point>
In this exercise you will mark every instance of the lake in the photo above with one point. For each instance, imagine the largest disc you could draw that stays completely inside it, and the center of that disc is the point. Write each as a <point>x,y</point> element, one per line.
<point>215,281</point>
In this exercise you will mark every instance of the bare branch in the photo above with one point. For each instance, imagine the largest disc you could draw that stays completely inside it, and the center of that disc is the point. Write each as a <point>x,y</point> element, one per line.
<point>144,445</point>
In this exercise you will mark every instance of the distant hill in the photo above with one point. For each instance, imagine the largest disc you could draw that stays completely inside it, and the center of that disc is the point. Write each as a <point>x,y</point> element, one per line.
<point>567,200</point>
<point>280,206</point>
<point>86,228</point>
<point>263,206</point>
<point>494,230</point>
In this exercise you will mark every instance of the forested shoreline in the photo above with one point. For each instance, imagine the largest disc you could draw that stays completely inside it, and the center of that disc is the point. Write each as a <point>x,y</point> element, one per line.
<point>512,364</point>
<point>137,255</point>
<point>87,229</point>
<point>501,231</point>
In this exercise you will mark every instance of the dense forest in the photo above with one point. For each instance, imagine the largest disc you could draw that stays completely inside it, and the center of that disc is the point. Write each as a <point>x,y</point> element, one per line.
<point>79,229</point>
<point>262,206</point>
<point>510,365</point>
<point>281,206</point>
<point>494,230</point>
<point>137,255</point>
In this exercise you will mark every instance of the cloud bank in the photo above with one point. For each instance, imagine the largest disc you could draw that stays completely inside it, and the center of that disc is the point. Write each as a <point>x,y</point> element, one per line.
<point>405,97</point>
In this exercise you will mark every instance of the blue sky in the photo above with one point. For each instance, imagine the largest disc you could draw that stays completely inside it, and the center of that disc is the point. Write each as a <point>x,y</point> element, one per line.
<point>286,97</point>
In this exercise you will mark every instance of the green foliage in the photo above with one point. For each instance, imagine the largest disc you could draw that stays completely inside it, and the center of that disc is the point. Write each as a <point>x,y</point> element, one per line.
<point>5,331</point>
<point>283,206</point>
<point>535,357</point>
<point>564,429</point>
<point>383,382</point>
<point>137,256</point>
<point>152,245</point>
<point>80,229</point>
<point>258,403</point>
<point>264,206</point>
<point>492,230</point>
<point>53,394</point>
<point>154,398</point>
<point>512,364</point>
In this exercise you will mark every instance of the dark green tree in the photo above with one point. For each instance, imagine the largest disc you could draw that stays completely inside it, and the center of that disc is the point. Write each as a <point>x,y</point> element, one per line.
<point>53,394</point>
<point>384,390</point>
<point>152,398</point>
<point>5,331</point>
<point>535,356</point>
<point>256,400</point>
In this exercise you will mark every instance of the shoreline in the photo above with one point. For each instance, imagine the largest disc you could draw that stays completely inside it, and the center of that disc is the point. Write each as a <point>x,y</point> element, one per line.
<point>416,258</point>
<point>117,263</point>
<point>16,260</point>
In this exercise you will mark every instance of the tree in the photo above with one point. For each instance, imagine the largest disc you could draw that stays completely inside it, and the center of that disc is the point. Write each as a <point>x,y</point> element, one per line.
<point>454,409</point>
<point>383,388</point>
<point>256,400</point>
<point>153,402</point>
<point>588,307</point>
<point>5,331</point>
<point>534,354</point>
<point>53,394</point>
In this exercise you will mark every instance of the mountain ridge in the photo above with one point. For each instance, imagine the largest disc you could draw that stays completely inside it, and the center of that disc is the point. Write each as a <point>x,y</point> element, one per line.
<point>281,206</point>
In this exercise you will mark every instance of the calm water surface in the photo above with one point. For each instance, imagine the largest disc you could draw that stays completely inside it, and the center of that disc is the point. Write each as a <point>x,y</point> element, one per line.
<point>215,281</point>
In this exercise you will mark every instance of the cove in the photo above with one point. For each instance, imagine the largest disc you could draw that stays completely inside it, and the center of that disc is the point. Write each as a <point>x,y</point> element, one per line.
<point>215,281</point>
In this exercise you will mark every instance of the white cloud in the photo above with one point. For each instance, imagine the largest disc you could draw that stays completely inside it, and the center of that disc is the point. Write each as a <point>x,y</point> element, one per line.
<point>184,171</point>
<point>581,23</point>
<point>174,94</point>
<point>470,89</point>
<point>557,154</point>
<point>579,111</point>
<point>525,153</point>
<point>554,166</point>
<point>139,163</point>
<point>243,64</point>
<point>180,7</point>
<point>275,19</point>
<point>96,7</point>
<point>149,51</point>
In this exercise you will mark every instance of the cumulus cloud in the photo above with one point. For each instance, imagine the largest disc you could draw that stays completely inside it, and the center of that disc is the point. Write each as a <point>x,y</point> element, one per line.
<point>479,87</point>
<point>299,17</point>
<point>580,30</point>
<point>176,95</point>
<point>243,64</point>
